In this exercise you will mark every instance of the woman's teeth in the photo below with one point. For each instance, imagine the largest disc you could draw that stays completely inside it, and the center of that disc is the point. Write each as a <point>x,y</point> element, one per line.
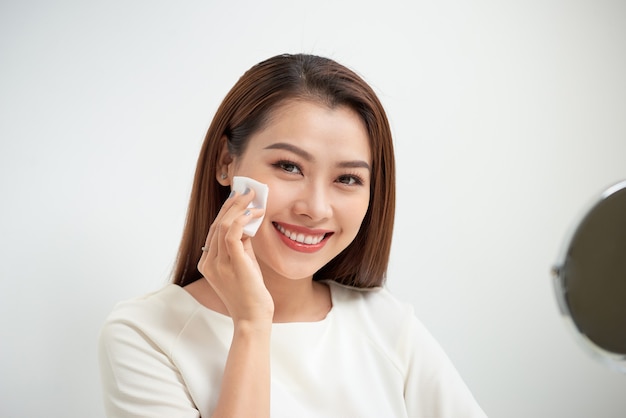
<point>301,238</point>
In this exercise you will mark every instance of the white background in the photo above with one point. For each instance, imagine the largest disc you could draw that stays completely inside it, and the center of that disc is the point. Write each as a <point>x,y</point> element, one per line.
<point>508,116</point>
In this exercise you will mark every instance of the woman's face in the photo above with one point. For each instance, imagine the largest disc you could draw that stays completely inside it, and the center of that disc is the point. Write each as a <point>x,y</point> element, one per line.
<point>316,162</point>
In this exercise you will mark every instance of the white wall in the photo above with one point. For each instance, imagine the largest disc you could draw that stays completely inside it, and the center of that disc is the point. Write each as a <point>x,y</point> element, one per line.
<point>508,118</point>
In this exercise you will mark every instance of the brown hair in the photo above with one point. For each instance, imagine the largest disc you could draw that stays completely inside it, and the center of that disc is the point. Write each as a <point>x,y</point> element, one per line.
<point>245,110</point>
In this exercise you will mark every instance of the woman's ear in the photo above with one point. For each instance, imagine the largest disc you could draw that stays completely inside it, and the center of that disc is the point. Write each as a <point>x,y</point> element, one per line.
<point>223,171</point>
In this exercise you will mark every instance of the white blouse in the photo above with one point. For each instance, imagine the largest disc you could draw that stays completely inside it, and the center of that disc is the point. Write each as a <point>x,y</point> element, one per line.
<point>163,355</point>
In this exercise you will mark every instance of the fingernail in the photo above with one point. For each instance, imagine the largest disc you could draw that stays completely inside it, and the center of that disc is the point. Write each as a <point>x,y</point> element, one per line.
<point>232,193</point>
<point>246,191</point>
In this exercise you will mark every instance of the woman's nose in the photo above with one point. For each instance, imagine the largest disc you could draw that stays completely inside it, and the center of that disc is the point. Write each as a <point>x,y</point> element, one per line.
<point>314,202</point>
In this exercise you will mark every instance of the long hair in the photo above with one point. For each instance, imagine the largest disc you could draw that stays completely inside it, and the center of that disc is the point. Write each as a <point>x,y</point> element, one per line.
<point>245,110</point>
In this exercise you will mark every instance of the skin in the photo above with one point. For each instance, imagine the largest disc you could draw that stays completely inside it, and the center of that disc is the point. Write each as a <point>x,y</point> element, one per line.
<point>315,160</point>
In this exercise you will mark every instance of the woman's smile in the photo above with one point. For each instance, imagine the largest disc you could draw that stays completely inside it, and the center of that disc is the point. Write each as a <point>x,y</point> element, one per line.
<point>302,239</point>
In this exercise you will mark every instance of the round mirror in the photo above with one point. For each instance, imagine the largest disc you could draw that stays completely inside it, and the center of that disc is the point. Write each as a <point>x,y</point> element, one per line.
<point>590,278</point>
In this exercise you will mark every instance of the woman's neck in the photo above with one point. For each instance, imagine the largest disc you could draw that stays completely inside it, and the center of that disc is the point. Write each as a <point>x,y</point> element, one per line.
<point>302,300</point>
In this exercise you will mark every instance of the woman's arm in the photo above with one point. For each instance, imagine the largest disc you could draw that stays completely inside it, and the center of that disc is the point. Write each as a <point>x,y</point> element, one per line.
<point>433,385</point>
<point>230,267</point>
<point>138,378</point>
<point>246,382</point>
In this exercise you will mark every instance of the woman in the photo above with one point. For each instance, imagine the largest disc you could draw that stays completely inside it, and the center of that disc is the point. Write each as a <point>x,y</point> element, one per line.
<point>293,322</point>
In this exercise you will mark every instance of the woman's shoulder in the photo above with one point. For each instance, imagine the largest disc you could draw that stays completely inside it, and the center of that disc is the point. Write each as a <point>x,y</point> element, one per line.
<point>370,298</point>
<point>375,309</point>
<point>164,312</point>
<point>169,300</point>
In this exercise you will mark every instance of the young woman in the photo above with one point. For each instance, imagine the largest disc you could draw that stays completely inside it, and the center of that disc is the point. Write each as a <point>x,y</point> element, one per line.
<point>293,322</point>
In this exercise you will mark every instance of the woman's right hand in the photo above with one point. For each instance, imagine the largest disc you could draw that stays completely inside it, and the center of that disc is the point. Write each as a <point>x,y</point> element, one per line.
<point>229,264</point>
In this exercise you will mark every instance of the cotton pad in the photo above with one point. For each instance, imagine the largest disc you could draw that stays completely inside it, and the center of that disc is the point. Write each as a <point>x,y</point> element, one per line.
<point>260,200</point>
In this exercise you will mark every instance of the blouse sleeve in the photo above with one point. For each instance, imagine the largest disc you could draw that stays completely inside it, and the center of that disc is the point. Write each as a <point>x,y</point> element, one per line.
<point>433,387</point>
<point>138,377</point>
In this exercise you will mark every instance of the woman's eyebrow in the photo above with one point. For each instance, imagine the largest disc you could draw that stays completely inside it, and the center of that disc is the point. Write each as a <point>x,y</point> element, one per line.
<point>354,164</point>
<point>290,147</point>
<point>309,157</point>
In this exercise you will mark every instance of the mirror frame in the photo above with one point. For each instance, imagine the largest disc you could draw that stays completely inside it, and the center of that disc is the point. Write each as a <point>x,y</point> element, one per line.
<point>615,361</point>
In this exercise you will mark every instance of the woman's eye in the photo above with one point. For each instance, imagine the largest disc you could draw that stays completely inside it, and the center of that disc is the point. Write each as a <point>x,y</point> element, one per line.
<point>350,180</point>
<point>289,167</point>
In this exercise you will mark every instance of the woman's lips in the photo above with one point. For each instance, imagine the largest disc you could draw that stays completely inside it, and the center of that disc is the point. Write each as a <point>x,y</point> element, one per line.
<point>302,239</point>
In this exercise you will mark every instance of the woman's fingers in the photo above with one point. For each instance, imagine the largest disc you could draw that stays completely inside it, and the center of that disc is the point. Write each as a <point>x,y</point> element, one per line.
<point>227,204</point>
<point>225,235</point>
<point>222,217</point>
<point>233,236</point>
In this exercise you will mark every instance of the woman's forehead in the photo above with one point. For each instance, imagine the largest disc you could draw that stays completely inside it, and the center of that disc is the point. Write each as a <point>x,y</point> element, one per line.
<point>312,124</point>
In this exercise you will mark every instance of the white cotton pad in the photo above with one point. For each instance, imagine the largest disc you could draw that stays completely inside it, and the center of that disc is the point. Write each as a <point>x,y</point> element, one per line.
<point>260,200</point>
